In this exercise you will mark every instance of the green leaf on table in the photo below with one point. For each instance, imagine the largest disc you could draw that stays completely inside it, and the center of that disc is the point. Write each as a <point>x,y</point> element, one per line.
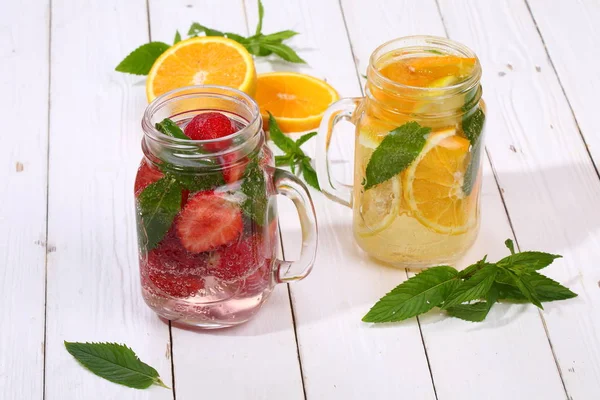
<point>286,160</point>
<point>471,269</point>
<point>284,51</point>
<point>140,61</point>
<point>261,14</point>
<point>528,261</point>
<point>278,36</point>
<point>415,296</point>
<point>116,363</point>
<point>472,127</point>
<point>158,204</point>
<point>525,287</point>
<point>177,37</point>
<point>545,289</point>
<point>305,138</point>
<point>170,128</point>
<point>397,151</point>
<point>254,187</point>
<point>309,174</point>
<point>282,141</point>
<point>475,312</point>
<point>197,29</point>
<point>474,288</point>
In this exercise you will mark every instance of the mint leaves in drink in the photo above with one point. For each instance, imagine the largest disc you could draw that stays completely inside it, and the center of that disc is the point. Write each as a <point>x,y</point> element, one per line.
<point>471,293</point>
<point>254,187</point>
<point>116,363</point>
<point>395,153</point>
<point>170,128</point>
<point>294,156</point>
<point>140,61</point>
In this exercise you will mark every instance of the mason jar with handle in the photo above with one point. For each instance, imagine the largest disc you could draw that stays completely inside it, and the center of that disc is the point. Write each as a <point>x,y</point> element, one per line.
<point>418,150</point>
<point>206,210</point>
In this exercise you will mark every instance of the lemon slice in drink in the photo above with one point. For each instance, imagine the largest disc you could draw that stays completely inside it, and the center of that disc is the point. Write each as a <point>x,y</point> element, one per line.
<point>379,206</point>
<point>433,184</point>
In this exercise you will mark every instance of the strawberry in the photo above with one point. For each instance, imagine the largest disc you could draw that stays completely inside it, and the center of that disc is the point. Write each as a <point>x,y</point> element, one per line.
<point>145,176</point>
<point>208,221</point>
<point>176,286</point>
<point>233,169</point>
<point>171,256</point>
<point>210,125</point>
<point>240,259</point>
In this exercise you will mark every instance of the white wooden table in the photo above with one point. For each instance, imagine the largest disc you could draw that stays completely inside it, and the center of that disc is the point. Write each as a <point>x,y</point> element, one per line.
<point>71,144</point>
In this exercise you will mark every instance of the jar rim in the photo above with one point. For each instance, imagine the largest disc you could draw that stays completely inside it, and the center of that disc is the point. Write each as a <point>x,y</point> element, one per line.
<point>252,128</point>
<point>425,42</point>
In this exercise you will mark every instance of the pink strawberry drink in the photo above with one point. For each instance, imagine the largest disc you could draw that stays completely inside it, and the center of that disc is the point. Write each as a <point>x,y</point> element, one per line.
<point>206,215</point>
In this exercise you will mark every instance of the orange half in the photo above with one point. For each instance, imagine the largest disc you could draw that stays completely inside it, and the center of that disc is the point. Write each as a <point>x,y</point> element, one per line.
<point>205,60</point>
<point>297,101</point>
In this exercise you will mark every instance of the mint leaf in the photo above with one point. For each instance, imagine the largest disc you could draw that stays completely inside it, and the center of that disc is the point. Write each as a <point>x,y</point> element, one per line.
<point>284,51</point>
<point>140,61</point>
<point>472,127</point>
<point>396,152</point>
<point>238,38</point>
<point>475,312</point>
<point>170,128</point>
<point>116,363</point>
<point>545,289</point>
<point>525,287</point>
<point>471,269</point>
<point>282,141</point>
<point>261,14</point>
<point>474,288</point>
<point>283,160</point>
<point>510,245</point>
<point>309,174</point>
<point>278,37</point>
<point>254,187</point>
<point>197,29</point>
<point>305,138</point>
<point>199,182</point>
<point>415,296</point>
<point>158,204</point>
<point>527,261</point>
<point>177,37</point>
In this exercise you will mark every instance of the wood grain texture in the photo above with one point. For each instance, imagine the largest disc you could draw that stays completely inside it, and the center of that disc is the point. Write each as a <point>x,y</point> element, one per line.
<point>93,274</point>
<point>258,360</point>
<point>23,173</point>
<point>451,341</point>
<point>550,186</point>
<point>342,358</point>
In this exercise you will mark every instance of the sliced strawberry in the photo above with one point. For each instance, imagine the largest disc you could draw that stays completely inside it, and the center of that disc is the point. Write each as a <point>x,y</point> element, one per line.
<point>208,221</point>
<point>240,259</point>
<point>145,176</point>
<point>233,168</point>
<point>171,256</point>
<point>176,286</point>
<point>211,125</point>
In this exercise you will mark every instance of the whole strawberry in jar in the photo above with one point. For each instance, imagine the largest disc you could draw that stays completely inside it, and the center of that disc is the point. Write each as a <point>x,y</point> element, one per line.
<point>205,197</point>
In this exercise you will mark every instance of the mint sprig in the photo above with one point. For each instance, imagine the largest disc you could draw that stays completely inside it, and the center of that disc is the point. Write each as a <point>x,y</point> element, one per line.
<point>472,126</point>
<point>254,187</point>
<point>116,363</point>
<point>140,61</point>
<point>294,156</point>
<point>471,293</point>
<point>395,153</point>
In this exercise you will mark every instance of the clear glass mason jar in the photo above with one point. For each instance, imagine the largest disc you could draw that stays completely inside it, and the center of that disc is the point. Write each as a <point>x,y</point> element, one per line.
<point>418,147</point>
<point>206,213</point>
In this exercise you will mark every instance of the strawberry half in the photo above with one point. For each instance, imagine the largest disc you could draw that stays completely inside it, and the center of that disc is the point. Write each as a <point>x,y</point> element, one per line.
<point>210,125</point>
<point>145,176</point>
<point>240,259</point>
<point>176,286</point>
<point>208,221</point>
<point>233,169</point>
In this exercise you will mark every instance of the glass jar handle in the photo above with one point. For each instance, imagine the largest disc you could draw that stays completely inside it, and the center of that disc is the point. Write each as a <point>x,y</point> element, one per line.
<point>331,187</point>
<point>291,187</point>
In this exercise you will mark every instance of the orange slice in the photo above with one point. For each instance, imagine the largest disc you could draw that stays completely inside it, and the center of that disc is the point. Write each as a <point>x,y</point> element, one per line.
<point>429,71</point>
<point>206,60</point>
<point>297,101</point>
<point>433,184</point>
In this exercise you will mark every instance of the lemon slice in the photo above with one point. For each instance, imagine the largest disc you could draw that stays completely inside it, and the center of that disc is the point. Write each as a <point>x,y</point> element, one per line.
<point>379,206</point>
<point>433,184</point>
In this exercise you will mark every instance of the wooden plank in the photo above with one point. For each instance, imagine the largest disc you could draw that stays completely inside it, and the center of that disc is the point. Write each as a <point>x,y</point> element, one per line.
<point>451,341</point>
<point>23,180</point>
<point>342,358</point>
<point>572,38</point>
<point>93,276</point>
<point>550,186</point>
<point>259,359</point>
